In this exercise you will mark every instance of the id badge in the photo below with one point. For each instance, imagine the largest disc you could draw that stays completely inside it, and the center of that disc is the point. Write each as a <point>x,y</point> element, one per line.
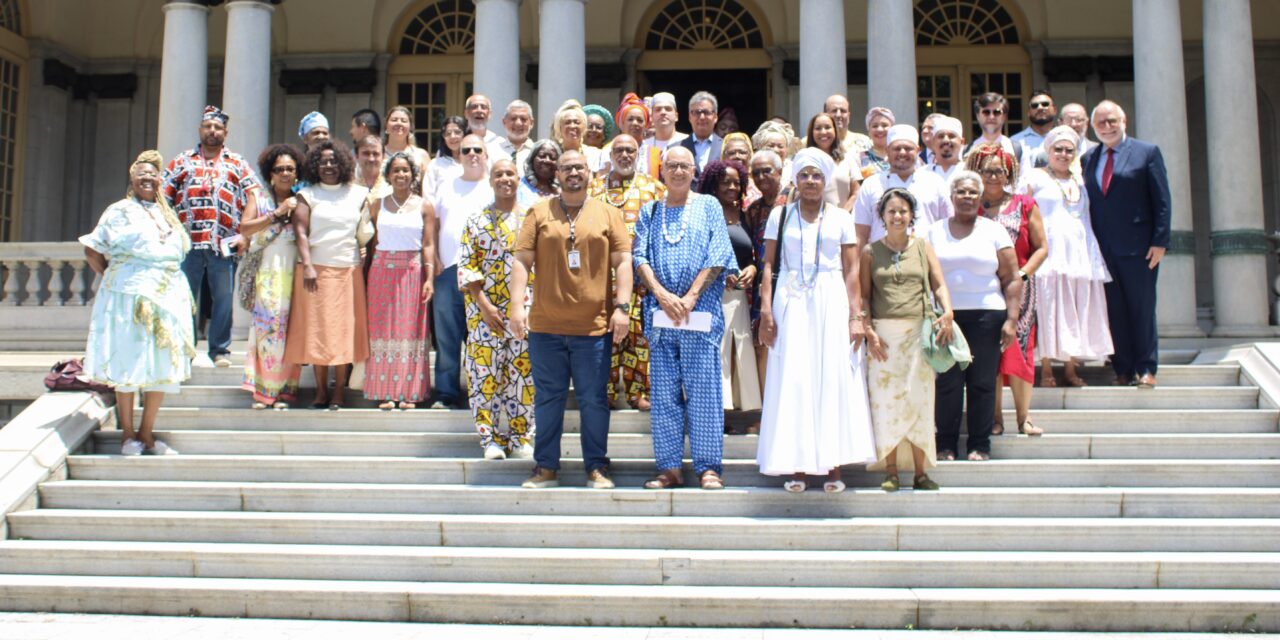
<point>575,259</point>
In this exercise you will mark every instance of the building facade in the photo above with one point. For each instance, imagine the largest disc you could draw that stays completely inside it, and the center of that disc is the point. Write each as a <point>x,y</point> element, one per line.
<point>86,84</point>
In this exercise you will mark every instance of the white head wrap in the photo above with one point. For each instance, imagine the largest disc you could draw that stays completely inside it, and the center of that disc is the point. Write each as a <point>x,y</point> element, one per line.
<point>1060,132</point>
<point>812,157</point>
<point>880,111</point>
<point>311,121</point>
<point>903,132</point>
<point>947,123</point>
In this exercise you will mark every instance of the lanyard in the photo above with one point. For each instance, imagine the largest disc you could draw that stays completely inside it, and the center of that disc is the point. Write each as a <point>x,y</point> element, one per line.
<point>573,222</point>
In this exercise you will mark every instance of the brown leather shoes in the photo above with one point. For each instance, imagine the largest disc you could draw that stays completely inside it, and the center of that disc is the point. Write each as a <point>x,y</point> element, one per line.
<point>1147,381</point>
<point>1122,381</point>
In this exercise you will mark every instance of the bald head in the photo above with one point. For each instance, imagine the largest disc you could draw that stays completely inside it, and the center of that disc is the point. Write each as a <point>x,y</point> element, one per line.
<point>837,106</point>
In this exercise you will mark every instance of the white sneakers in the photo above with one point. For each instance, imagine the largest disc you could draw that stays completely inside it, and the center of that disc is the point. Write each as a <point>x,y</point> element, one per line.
<point>133,447</point>
<point>202,361</point>
<point>522,452</point>
<point>222,361</point>
<point>494,452</point>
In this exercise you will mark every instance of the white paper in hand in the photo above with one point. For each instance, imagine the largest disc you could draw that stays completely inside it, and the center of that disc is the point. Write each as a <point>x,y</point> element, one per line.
<point>228,245</point>
<point>696,321</point>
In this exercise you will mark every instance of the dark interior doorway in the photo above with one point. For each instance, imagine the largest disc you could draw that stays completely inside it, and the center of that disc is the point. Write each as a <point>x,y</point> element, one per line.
<point>746,90</point>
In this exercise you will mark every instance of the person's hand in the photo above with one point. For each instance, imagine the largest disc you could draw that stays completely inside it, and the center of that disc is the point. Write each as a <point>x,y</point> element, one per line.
<point>768,329</point>
<point>241,245</point>
<point>619,324</point>
<point>428,289</point>
<point>856,332</point>
<point>309,279</point>
<point>731,281</point>
<point>943,326</point>
<point>876,347</point>
<point>492,316</point>
<point>1008,334</point>
<point>672,305</point>
<point>1154,256</point>
<point>747,276</point>
<point>519,322</point>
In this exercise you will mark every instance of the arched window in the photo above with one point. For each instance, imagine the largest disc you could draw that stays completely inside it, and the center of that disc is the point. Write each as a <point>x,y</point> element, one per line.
<point>704,24</point>
<point>10,16</point>
<point>446,26</point>
<point>961,22</point>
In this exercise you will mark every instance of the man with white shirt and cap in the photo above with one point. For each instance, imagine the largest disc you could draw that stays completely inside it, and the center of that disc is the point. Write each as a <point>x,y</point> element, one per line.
<point>948,141</point>
<point>664,115</point>
<point>931,191</point>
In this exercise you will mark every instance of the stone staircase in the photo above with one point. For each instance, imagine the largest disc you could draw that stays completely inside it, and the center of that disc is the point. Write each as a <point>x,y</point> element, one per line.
<point>1141,510</point>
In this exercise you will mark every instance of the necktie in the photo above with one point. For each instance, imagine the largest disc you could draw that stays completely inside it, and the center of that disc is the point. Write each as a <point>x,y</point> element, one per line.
<point>1107,170</point>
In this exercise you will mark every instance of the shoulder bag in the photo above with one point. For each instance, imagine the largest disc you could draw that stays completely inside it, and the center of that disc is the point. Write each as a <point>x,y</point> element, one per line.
<point>940,357</point>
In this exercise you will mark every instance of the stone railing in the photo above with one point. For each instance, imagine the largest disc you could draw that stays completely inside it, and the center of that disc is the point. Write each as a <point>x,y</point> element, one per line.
<point>45,274</point>
<point>46,296</point>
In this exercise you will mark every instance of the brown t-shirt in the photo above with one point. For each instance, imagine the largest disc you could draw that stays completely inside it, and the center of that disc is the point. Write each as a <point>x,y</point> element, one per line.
<point>572,302</point>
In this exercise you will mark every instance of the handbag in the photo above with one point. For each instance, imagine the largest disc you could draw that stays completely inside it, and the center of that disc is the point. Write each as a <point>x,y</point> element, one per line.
<point>247,278</point>
<point>68,375</point>
<point>940,357</point>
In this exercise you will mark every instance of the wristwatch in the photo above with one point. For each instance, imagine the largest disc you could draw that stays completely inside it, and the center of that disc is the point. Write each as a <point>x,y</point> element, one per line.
<point>624,306</point>
<point>1023,274</point>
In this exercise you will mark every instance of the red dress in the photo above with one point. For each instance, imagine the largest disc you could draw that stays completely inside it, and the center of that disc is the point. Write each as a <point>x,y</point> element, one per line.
<point>1019,359</point>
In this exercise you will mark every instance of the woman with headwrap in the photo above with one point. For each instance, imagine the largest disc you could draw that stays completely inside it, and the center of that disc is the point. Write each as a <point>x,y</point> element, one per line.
<point>313,128</point>
<point>600,126</point>
<point>876,159</point>
<point>815,415</point>
<point>1071,304</point>
<point>569,128</point>
<point>1019,215</point>
<point>632,118</point>
<point>140,334</point>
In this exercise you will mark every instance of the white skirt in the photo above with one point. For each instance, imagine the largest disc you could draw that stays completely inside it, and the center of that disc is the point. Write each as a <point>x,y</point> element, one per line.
<point>1072,318</point>
<point>815,416</point>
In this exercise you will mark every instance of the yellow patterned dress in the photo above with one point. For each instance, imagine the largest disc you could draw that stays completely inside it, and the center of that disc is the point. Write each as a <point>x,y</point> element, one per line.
<point>498,369</point>
<point>630,360</point>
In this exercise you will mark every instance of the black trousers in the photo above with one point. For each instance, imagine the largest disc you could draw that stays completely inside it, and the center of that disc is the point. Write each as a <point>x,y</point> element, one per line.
<point>981,328</point>
<point>1131,310</point>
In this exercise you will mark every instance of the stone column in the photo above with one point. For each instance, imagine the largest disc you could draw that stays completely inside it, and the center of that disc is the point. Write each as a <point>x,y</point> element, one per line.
<point>497,58</point>
<point>183,74</point>
<point>891,58</point>
<point>1160,116</point>
<point>562,54</point>
<point>822,56</point>
<point>1238,242</point>
<point>246,85</point>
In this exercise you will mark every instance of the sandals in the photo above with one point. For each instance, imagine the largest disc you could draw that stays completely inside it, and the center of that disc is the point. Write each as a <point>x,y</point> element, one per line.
<point>387,406</point>
<point>1076,382</point>
<point>890,483</point>
<point>924,483</point>
<point>1029,428</point>
<point>833,486</point>
<point>280,405</point>
<point>795,486</point>
<point>997,429</point>
<point>668,479</point>
<point>259,406</point>
<point>979,456</point>
<point>1047,381</point>
<point>405,406</point>
<point>711,480</point>
<point>947,455</point>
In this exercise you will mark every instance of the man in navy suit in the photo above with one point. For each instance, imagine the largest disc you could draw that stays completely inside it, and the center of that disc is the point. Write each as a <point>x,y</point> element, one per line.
<point>704,143</point>
<point>1130,207</point>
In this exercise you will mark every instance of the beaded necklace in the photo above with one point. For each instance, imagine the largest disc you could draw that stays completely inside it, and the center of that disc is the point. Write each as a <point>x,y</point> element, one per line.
<point>684,222</point>
<point>1072,196</point>
<point>807,283</point>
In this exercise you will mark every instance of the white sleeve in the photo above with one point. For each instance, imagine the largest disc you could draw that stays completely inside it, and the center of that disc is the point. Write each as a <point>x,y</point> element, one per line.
<point>863,207</point>
<point>848,232</point>
<point>771,226</point>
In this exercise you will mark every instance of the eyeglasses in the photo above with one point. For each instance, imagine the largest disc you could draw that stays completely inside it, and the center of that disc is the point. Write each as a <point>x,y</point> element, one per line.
<point>993,112</point>
<point>1041,105</point>
<point>679,166</point>
<point>573,168</point>
<point>285,169</point>
<point>994,173</point>
<point>809,177</point>
<point>702,113</point>
<point>327,162</point>
<point>1065,150</point>
<point>762,171</point>
<point>471,150</point>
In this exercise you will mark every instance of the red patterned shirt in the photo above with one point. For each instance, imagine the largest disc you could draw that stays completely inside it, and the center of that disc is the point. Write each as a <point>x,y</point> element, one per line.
<point>209,195</point>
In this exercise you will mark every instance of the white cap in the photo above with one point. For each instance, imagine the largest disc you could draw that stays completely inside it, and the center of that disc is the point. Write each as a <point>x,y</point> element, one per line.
<point>903,132</point>
<point>947,123</point>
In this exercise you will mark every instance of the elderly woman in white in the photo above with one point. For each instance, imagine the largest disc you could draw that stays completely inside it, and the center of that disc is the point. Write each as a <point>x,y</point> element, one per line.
<point>815,416</point>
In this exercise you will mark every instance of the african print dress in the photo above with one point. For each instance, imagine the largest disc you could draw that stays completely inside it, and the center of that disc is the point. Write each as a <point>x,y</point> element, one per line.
<point>1019,359</point>
<point>498,368</point>
<point>266,373</point>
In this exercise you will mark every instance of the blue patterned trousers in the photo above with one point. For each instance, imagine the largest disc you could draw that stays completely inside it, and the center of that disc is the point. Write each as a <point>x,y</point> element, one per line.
<point>685,389</point>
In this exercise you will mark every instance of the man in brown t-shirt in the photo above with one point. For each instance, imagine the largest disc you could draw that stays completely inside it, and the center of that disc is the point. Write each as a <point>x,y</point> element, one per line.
<point>571,243</point>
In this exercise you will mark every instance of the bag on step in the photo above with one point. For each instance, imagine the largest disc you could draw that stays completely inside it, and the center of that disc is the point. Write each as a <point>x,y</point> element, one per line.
<point>68,375</point>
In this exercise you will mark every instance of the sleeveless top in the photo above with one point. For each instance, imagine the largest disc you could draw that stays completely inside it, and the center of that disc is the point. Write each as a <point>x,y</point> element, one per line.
<point>400,230</point>
<point>897,281</point>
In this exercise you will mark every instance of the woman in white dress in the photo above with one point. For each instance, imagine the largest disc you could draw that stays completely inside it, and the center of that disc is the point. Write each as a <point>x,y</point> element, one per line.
<point>815,416</point>
<point>1072,302</point>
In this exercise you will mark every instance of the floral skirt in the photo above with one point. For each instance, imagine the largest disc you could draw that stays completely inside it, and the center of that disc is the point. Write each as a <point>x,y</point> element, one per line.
<point>398,366</point>
<point>266,373</point>
<point>901,395</point>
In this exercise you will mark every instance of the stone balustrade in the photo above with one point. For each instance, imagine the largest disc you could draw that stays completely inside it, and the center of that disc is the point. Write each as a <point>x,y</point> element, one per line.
<point>45,274</point>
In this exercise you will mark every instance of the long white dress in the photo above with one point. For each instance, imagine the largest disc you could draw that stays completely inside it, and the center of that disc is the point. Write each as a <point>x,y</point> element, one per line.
<point>1071,306</point>
<point>815,414</point>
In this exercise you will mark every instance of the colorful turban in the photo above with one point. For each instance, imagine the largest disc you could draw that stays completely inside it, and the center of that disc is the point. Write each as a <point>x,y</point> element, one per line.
<point>812,157</point>
<point>597,110</point>
<point>1060,132</point>
<point>903,132</point>
<point>880,111</point>
<point>979,156</point>
<point>213,113</point>
<point>629,102</point>
<point>311,121</point>
<point>947,123</point>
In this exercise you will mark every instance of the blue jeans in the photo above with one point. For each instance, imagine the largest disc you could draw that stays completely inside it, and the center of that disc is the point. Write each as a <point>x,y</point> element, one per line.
<point>556,358</point>
<point>221,272</point>
<point>449,315</point>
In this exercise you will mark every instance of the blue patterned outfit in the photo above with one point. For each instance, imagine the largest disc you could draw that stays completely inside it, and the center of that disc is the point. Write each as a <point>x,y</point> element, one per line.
<point>684,370</point>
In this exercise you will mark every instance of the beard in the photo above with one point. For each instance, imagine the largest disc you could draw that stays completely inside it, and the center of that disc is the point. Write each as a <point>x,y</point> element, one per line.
<point>1041,121</point>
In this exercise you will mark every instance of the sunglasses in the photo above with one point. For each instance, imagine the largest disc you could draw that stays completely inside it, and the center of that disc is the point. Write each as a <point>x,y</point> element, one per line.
<point>1041,105</point>
<point>280,170</point>
<point>993,112</point>
<point>763,171</point>
<point>471,150</point>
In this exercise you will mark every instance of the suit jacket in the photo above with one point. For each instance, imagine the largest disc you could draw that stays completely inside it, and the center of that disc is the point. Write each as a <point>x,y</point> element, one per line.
<point>717,144</point>
<point>1134,214</point>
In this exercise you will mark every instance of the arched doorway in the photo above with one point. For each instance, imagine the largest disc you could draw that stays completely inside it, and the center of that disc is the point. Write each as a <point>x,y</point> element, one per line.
<point>434,45</point>
<point>713,45</point>
<point>965,48</point>
<point>13,58</point>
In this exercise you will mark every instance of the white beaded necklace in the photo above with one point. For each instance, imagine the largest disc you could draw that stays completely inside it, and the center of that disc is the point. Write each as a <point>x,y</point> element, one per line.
<point>684,222</point>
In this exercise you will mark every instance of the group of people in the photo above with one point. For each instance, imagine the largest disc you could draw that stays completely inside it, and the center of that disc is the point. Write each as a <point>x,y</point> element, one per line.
<point>864,292</point>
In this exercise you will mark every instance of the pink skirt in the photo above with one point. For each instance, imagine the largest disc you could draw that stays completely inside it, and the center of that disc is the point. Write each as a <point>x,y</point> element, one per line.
<point>398,368</point>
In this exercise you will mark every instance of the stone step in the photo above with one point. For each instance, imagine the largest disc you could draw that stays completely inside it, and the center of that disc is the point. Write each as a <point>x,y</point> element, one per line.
<point>653,567</point>
<point>635,445</point>
<point>667,605</point>
<point>1132,398</point>
<point>675,532</point>
<point>148,495</point>
<point>1077,421</point>
<point>633,472</point>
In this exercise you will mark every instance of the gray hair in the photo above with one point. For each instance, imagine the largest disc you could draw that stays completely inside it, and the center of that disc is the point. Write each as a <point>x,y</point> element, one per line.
<point>537,146</point>
<point>1108,104</point>
<point>769,156</point>
<point>664,98</point>
<point>516,105</point>
<point>963,175</point>
<point>705,96</point>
